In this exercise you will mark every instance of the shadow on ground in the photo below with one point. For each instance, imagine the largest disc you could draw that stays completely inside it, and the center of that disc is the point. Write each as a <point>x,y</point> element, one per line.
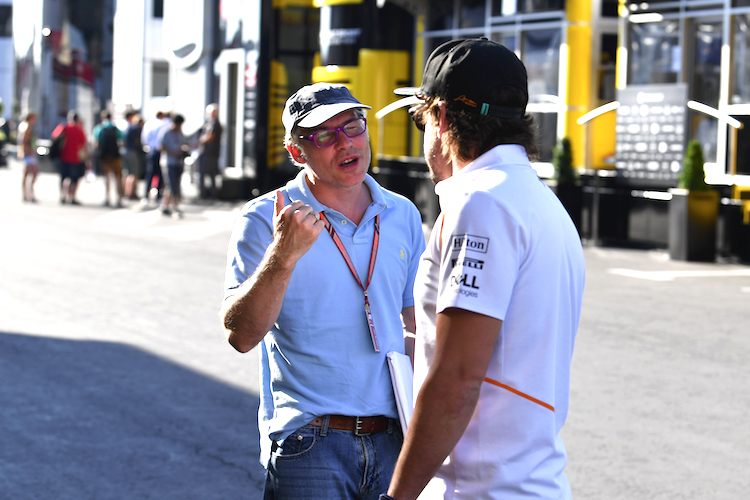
<point>87,419</point>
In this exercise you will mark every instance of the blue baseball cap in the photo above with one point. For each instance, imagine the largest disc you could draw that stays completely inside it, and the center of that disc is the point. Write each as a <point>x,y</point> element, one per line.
<point>314,104</point>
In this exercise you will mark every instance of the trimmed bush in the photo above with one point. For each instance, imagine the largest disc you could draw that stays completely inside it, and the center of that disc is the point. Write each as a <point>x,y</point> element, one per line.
<point>562,161</point>
<point>693,177</point>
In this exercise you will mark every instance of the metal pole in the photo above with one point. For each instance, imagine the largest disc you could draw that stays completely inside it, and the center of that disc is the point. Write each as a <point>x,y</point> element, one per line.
<point>584,120</point>
<point>595,209</point>
<point>733,152</point>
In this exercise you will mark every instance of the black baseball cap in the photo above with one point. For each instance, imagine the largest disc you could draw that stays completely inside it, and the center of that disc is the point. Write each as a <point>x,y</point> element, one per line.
<point>314,104</point>
<point>464,72</point>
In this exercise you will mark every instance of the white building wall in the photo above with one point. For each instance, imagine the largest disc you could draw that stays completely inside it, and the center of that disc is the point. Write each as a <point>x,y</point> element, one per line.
<point>137,45</point>
<point>140,41</point>
<point>7,76</point>
<point>128,53</point>
<point>186,44</point>
<point>7,71</point>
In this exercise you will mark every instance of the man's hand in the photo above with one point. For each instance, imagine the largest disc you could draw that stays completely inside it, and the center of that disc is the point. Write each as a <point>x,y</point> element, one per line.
<point>446,401</point>
<point>296,227</point>
<point>249,314</point>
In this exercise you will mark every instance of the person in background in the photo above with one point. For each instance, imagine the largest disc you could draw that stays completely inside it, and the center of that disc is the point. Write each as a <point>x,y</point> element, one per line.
<point>150,140</point>
<point>107,141</point>
<point>4,133</point>
<point>75,154</point>
<point>133,167</point>
<point>499,290</point>
<point>210,149</point>
<point>174,144</point>
<point>328,418</point>
<point>27,153</point>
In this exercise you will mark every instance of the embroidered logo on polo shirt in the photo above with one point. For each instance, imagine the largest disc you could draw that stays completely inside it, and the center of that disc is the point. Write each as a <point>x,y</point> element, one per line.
<point>468,262</point>
<point>467,280</point>
<point>469,242</point>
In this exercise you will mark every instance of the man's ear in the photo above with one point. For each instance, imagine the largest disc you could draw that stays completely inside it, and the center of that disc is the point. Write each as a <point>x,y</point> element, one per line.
<point>443,122</point>
<point>296,153</point>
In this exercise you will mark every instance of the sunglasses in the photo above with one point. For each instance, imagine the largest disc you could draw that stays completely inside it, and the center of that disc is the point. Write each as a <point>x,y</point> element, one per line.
<point>328,137</point>
<point>417,118</point>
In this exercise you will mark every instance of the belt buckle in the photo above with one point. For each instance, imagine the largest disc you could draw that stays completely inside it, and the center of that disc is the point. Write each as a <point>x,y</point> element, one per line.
<point>358,427</point>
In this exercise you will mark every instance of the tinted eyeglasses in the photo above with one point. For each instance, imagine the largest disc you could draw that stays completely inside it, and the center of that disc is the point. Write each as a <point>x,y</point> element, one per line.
<point>328,137</point>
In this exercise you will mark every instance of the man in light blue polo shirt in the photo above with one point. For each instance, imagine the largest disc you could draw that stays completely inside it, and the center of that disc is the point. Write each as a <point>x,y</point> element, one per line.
<point>320,274</point>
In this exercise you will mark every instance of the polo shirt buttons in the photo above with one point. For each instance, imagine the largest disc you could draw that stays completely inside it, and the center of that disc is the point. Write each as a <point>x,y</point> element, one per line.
<point>343,221</point>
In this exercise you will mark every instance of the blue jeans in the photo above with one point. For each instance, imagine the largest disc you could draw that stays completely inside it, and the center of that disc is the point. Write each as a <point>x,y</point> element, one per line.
<point>319,463</point>
<point>153,169</point>
<point>174,177</point>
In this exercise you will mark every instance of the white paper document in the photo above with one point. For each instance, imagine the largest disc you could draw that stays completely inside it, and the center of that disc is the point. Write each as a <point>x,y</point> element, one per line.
<point>402,377</point>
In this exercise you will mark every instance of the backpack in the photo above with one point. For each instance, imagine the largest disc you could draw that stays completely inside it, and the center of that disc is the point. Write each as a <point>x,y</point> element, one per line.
<point>58,143</point>
<point>108,147</point>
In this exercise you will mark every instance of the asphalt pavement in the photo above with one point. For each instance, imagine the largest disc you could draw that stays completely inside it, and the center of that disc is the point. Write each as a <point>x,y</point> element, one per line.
<point>116,382</point>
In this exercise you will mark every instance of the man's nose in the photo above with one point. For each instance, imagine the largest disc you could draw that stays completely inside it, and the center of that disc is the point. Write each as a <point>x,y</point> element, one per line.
<point>343,141</point>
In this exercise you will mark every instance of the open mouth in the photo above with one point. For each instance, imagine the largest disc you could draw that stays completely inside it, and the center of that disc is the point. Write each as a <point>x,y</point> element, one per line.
<point>348,162</point>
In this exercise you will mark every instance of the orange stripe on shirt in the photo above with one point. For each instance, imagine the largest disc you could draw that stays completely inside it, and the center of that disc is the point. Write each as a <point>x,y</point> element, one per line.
<point>442,243</point>
<point>514,391</point>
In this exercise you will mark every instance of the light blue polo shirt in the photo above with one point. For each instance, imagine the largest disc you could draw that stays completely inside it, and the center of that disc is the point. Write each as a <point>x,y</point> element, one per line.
<point>318,358</point>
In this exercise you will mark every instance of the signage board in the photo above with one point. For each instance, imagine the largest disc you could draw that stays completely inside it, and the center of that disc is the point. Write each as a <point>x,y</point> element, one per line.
<point>651,132</point>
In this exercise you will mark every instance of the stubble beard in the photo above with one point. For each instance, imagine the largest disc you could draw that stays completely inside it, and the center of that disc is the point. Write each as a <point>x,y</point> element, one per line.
<point>439,168</point>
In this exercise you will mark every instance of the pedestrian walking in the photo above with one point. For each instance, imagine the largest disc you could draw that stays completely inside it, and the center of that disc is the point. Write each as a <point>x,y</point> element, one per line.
<point>27,154</point>
<point>210,150</point>
<point>174,145</point>
<point>150,140</point>
<point>499,290</point>
<point>325,308</point>
<point>107,141</point>
<point>133,161</point>
<point>73,157</point>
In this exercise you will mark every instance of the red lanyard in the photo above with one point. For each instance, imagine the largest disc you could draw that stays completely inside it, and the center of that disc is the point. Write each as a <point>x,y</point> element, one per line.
<point>373,255</point>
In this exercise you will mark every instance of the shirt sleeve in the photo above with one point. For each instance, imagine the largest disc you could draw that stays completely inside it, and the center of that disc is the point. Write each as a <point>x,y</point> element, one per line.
<point>417,248</point>
<point>251,236</point>
<point>160,136</point>
<point>481,252</point>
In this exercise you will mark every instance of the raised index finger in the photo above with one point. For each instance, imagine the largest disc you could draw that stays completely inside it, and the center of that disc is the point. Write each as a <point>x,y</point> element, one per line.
<point>280,201</point>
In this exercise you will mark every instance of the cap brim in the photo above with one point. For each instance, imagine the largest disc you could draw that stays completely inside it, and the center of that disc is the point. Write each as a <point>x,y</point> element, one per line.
<point>407,91</point>
<point>325,112</point>
<point>401,103</point>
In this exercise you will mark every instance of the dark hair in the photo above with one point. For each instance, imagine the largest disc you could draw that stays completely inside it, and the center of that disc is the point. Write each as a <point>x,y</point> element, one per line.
<point>72,115</point>
<point>472,134</point>
<point>105,115</point>
<point>178,119</point>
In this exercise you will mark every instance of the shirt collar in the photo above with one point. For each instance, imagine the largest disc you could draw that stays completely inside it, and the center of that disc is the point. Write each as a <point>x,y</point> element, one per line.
<point>298,189</point>
<point>505,154</point>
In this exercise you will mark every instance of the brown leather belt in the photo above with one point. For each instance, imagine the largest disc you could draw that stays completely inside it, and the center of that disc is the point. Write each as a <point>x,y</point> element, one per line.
<point>361,426</point>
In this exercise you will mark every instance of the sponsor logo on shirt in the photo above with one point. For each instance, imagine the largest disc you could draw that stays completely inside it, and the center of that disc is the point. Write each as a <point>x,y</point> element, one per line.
<point>469,242</point>
<point>468,262</point>
<point>465,280</point>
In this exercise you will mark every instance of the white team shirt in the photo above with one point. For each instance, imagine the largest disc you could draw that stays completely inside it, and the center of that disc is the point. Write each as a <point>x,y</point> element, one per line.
<point>504,246</point>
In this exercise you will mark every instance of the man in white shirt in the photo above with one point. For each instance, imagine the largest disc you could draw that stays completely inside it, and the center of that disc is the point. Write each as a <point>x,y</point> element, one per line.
<point>498,293</point>
<point>150,139</point>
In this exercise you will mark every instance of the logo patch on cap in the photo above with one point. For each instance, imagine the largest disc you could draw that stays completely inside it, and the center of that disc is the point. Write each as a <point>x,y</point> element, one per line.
<point>466,100</point>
